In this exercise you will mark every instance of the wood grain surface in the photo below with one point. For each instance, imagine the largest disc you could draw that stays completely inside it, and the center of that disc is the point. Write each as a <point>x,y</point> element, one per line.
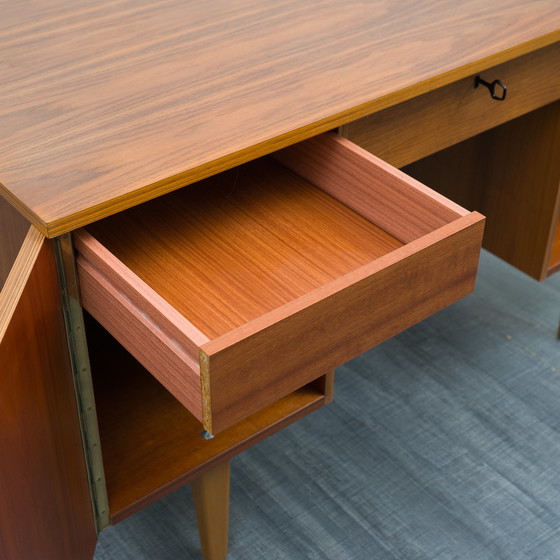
<point>521,176</point>
<point>108,104</point>
<point>151,444</point>
<point>45,506</point>
<point>436,120</point>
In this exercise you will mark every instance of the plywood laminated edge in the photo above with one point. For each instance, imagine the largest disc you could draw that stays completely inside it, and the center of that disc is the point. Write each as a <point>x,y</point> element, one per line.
<point>18,276</point>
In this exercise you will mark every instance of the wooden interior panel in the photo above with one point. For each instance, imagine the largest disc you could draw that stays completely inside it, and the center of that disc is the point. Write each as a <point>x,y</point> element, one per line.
<point>13,228</point>
<point>511,174</point>
<point>237,246</point>
<point>325,385</point>
<point>522,171</point>
<point>151,444</point>
<point>454,172</point>
<point>436,120</point>
<point>387,197</point>
<point>45,506</point>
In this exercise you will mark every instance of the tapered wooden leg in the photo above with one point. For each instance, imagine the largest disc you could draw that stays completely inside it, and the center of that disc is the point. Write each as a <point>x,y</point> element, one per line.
<point>211,500</point>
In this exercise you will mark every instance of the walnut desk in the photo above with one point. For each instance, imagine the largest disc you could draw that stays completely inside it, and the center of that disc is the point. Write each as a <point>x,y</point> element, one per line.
<point>216,185</point>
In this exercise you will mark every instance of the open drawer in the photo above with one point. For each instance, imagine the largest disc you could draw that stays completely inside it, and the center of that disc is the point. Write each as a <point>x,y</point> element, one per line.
<point>237,290</point>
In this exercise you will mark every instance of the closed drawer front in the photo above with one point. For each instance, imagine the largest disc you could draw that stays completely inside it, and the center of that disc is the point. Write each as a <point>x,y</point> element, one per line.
<point>238,290</point>
<point>441,118</point>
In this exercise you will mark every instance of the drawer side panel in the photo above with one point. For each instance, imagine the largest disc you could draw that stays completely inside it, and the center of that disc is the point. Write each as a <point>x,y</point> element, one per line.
<point>158,353</point>
<point>374,189</point>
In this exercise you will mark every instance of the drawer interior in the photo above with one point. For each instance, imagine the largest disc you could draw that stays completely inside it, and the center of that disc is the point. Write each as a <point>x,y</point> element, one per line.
<point>234,247</point>
<point>151,444</point>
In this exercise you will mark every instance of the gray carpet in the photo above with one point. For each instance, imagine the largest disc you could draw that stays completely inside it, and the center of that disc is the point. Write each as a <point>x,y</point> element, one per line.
<point>442,443</point>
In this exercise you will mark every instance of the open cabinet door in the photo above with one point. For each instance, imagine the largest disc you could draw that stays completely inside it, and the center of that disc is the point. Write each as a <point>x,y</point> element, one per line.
<point>45,507</point>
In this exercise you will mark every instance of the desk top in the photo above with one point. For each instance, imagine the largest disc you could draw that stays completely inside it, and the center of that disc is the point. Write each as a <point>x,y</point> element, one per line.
<point>108,103</point>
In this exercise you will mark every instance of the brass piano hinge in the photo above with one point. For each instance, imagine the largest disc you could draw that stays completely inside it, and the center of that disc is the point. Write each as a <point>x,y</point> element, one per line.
<point>83,383</point>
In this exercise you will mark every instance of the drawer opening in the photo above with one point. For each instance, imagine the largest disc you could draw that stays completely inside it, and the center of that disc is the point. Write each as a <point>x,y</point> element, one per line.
<point>243,287</point>
<point>151,444</point>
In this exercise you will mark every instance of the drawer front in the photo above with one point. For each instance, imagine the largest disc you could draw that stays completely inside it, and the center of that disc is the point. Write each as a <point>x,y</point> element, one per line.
<point>421,255</point>
<point>426,124</point>
<point>335,324</point>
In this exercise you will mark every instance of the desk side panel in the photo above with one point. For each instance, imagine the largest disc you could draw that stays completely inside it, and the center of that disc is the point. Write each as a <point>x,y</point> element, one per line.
<point>45,507</point>
<point>511,174</point>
